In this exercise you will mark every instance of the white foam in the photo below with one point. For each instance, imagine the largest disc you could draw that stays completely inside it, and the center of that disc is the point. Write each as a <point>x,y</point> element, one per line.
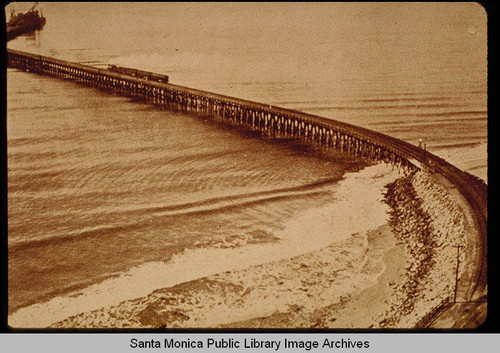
<point>356,208</point>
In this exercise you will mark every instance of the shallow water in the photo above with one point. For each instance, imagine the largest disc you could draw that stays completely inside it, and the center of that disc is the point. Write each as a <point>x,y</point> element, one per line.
<point>107,184</point>
<point>99,184</point>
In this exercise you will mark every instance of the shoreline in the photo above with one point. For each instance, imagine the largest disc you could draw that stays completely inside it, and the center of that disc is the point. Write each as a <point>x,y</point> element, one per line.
<point>333,222</point>
<point>290,293</point>
<point>358,310</point>
<point>373,303</point>
<point>395,275</point>
<point>306,290</point>
<point>427,222</point>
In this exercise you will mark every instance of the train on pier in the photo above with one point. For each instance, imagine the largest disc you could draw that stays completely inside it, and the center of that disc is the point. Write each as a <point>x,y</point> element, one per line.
<point>151,76</point>
<point>274,121</point>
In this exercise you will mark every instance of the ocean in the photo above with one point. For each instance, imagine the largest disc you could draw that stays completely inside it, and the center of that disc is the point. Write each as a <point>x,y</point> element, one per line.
<point>103,190</point>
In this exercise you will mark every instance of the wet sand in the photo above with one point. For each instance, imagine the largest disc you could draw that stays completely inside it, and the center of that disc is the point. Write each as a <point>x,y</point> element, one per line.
<point>361,309</point>
<point>320,256</point>
<point>426,225</point>
<point>393,276</point>
<point>367,308</point>
<point>289,293</point>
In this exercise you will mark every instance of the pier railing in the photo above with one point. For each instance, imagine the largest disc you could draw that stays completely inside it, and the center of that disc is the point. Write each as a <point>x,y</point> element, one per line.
<point>272,121</point>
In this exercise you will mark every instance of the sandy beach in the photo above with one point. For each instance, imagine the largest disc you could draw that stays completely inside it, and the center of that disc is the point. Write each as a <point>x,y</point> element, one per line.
<point>361,309</point>
<point>287,293</point>
<point>400,272</point>
<point>392,272</point>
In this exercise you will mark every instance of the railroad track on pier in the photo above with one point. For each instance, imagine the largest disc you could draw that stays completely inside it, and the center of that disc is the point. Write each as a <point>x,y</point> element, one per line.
<point>266,118</point>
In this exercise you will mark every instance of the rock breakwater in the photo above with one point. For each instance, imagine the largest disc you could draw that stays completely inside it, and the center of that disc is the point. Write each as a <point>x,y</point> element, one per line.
<point>403,284</point>
<point>425,219</point>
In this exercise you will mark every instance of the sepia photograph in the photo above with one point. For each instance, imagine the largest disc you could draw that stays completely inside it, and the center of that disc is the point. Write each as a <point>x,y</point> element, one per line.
<point>246,165</point>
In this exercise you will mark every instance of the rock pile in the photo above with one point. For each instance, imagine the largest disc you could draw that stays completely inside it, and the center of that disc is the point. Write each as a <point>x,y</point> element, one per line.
<point>424,217</point>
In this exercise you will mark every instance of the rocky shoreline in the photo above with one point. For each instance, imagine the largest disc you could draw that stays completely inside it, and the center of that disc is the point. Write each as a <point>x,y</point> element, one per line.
<point>427,221</point>
<point>405,272</point>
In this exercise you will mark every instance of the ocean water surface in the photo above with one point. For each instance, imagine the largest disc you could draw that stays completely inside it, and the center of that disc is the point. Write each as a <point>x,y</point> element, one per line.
<point>100,186</point>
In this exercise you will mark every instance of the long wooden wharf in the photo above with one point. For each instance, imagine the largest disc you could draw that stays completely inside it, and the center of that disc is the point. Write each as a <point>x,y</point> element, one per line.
<point>274,121</point>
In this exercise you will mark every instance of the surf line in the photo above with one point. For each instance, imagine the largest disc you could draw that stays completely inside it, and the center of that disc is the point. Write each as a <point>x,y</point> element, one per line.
<point>197,263</point>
